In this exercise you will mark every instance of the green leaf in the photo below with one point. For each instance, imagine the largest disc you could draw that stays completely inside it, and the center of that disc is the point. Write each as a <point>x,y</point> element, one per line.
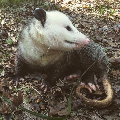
<point>24,9</point>
<point>8,101</point>
<point>10,41</point>
<point>113,11</point>
<point>26,89</point>
<point>1,118</point>
<point>41,115</point>
<point>27,100</point>
<point>101,19</point>
<point>1,70</point>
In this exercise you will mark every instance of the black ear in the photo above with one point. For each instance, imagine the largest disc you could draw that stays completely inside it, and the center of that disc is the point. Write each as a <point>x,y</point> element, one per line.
<point>40,15</point>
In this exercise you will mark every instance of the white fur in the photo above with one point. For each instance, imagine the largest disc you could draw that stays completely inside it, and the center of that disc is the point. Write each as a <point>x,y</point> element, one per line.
<point>55,32</point>
<point>44,45</point>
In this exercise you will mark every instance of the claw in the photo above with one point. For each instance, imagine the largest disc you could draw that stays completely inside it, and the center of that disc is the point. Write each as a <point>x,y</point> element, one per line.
<point>45,89</point>
<point>16,83</point>
<point>92,86</point>
<point>82,83</point>
<point>86,86</point>
<point>11,82</point>
<point>70,77</point>
<point>42,87</point>
<point>73,76</point>
<point>97,86</point>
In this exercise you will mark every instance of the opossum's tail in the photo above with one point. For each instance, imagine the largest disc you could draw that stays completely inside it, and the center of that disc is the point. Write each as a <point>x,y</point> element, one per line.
<point>98,103</point>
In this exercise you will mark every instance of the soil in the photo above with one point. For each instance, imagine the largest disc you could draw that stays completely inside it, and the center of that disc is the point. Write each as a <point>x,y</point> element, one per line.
<point>95,20</point>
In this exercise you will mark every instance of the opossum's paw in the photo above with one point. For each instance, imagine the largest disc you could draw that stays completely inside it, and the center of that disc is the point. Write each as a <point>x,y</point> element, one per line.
<point>16,80</point>
<point>89,80</point>
<point>72,76</point>
<point>45,85</point>
<point>42,78</point>
<point>93,87</point>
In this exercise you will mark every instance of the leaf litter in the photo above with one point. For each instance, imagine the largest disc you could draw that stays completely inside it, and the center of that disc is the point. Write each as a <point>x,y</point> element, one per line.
<point>99,26</point>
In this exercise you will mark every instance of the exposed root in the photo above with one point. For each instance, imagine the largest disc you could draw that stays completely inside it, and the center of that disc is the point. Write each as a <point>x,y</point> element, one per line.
<point>98,103</point>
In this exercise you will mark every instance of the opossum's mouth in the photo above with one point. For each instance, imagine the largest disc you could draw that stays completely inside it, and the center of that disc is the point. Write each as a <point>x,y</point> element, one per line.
<point>70,42</point>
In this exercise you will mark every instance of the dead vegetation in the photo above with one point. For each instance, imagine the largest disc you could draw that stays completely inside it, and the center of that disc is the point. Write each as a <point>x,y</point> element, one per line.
<point>99,20</point>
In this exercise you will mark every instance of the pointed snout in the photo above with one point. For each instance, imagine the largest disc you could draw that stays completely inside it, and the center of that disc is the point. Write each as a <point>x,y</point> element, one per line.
<point>87,41</point>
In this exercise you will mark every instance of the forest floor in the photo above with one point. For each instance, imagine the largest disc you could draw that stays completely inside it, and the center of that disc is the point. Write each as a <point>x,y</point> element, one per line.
<point>100,21</point>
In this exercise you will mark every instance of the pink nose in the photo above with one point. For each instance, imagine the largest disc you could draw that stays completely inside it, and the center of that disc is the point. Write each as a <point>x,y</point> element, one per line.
<point>87,41</point>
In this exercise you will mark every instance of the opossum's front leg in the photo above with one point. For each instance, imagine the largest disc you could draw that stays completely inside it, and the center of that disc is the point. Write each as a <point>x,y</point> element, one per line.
<point>21,68</point>
<point>73,76</point>
<point>48,81</point>
<point>88,79</point>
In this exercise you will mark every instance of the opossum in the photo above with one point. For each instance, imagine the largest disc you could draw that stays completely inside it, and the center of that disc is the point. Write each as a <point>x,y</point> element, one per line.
<point>44,44</point>
<point>51,45</point>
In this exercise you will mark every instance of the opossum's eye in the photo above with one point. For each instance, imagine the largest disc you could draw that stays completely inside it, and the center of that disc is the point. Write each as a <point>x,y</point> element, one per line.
<point>69,42</point>
<point>68,28</point>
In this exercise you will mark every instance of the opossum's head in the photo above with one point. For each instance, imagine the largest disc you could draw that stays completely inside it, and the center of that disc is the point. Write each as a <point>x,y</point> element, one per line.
<point>57,31</point>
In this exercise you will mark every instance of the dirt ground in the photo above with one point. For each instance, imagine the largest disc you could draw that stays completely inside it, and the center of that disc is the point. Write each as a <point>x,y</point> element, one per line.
<point>100,21</point>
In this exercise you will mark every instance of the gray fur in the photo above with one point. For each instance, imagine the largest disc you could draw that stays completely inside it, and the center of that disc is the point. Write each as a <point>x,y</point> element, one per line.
<point>93,53</point>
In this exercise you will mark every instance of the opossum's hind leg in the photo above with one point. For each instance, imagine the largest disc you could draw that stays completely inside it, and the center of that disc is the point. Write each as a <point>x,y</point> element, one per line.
<point>88,79</point>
